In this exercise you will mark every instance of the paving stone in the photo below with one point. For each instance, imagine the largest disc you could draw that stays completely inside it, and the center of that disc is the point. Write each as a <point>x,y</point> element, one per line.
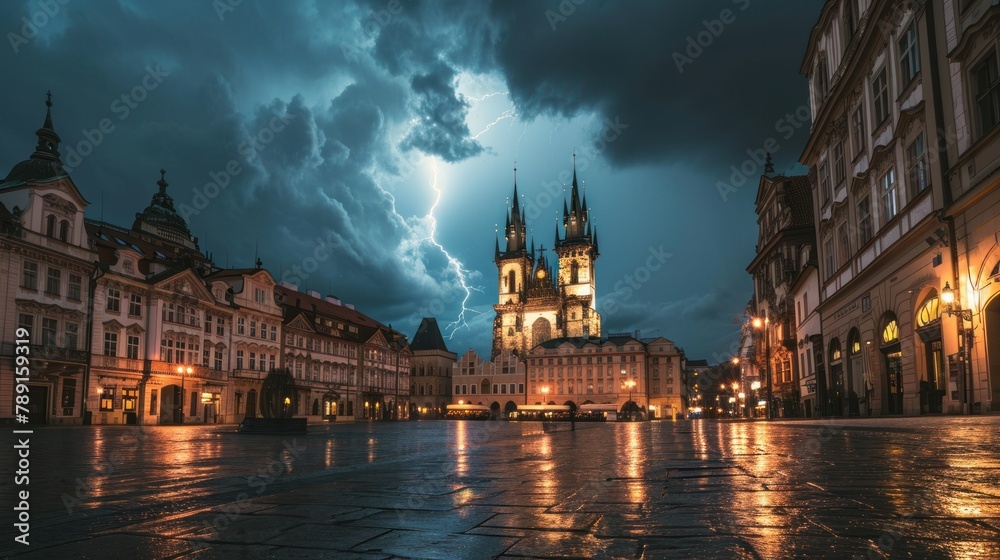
<point>871,488</point>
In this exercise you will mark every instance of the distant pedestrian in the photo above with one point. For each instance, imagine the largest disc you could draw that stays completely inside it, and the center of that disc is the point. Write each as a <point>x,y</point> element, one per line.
<point>572,420</point>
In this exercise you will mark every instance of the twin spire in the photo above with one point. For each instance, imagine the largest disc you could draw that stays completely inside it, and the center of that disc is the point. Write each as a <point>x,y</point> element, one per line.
<point>576,222</point>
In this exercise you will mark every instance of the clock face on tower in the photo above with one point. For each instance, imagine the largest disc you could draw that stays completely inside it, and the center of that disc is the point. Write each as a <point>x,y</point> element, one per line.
<point>540,274</point>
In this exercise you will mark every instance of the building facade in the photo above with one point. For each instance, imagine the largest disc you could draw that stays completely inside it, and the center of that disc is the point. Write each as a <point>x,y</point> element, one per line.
<point>881,157</point>
<point>641,376</point>
<point>535,301</point>
<point>498,384</point>
<point>785,231</point>
<point>136,325</point>
<point>46,287</point>
<point>431,369</point>
<point>971,40</point>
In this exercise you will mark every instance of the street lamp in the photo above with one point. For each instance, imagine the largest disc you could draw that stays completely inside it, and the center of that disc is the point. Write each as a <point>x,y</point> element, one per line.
<point>629,384</point>
<point>545,394</point>
<point>755,386</point>
<point>181,370</point>
<point>953,307</point>
<point>761,324</point>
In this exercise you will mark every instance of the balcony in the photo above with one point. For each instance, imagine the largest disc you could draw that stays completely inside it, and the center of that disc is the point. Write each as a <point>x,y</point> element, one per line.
<point>50,353</point>
<point>248,374</point>
<point>158,367</point>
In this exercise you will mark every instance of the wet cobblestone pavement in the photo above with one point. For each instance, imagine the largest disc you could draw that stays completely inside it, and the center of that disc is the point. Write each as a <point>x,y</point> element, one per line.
<point>858,488</point>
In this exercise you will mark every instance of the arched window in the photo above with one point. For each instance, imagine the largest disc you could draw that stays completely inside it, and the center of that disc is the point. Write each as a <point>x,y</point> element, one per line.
<point>835,351</point>
<point>511,281</point>
<point>930,311</point>
<point>484,387</point>
<point>64,230</point>
<point>50,225</point>
<point>890,332</point>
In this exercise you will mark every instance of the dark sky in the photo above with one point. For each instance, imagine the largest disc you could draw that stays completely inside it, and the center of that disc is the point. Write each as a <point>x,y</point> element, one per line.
<point>384,135</point>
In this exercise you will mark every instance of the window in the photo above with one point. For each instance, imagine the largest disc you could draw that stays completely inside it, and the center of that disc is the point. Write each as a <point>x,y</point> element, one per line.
<point>52,281</point>
<point>824,182</point>
<point>50,226</point>
<point>987,93</point>
<point>220,326</point>
<point>822,79</point>
<point>916,166</point>
<point>167,350</point>
<point>132,347</point>
<point>259,295</point>
<point>274,332</point>
<point>240,325</point>
<point>208,323</point>
<point>75,287</point>
<point>909,54</point>
<point>135,305</point>
<point>839,167</point>
<point>864,221</point>
<point>206,356</point>
<point>831,257</point>
<point>129,398</point>
<point>263,332</point>
<point>880,98</point>
<point>858,129</point>
<point>843,244</point>
<point>253,360</point>
<point>253,328</point>
<point>850,20</point>
<point>26,322</point>
<point>110,344</point>
<point>107,397</point>
<point>128,267</point>
<point>890,202</point>
<point>114,300</point>
<point>239,359</point>
<point>49,327</point>
<point>29,277</point>
<point>218,359</point>
<point>72,336</point>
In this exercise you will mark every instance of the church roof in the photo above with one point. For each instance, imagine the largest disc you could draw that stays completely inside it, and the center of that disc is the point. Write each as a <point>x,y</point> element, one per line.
<point>428,336</point>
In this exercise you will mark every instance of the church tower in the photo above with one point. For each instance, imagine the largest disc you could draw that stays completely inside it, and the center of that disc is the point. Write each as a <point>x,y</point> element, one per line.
<point>514,265</point>
<point>535,302</point>
<point>578,253</point>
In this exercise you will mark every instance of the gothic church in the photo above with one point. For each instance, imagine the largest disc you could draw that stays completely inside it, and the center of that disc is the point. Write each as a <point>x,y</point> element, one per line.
<point>537,303</point>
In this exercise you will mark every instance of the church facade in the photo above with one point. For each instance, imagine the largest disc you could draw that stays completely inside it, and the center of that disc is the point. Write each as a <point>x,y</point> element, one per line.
<point>539,300</point>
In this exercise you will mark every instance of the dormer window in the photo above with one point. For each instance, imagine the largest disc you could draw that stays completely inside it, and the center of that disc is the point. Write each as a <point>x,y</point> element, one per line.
<point>50,225</point>
<point>64,230</point>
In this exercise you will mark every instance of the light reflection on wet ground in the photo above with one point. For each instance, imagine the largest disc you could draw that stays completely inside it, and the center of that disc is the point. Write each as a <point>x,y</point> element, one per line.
<point>869,488</point>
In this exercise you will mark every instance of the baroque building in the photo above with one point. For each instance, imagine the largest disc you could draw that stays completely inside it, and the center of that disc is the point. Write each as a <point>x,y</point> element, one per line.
<point>136,325</point>
<point>48,271</point>
<point>496,383</point>
<point>627,373</point>
<point>905,168</point>
<point>537,301</point>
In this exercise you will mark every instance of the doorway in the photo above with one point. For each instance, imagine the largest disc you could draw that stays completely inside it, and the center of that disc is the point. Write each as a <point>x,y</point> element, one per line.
<point>38,404</point>
<point>894,382</point>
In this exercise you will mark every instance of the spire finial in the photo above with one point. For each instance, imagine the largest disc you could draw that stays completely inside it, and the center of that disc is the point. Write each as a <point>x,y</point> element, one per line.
<point>163,181</point>
<point>48,100</point>
<point>768,164</point>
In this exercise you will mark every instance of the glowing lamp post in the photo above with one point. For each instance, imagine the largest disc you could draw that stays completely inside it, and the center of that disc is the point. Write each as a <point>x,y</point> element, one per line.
<point>181,370</point>
<point>761,324</point>
<point>953,307</point>
<point>629,384</point>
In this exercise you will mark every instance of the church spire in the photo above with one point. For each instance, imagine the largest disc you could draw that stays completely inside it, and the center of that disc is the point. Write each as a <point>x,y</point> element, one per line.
<point>48,140</point>
<point>514,229</point>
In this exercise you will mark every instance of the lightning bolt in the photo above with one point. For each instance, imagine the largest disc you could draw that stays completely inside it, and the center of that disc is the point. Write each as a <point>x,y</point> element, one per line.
<point>488,95</point>
<point>455,264</point>
<point>508,114</point>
